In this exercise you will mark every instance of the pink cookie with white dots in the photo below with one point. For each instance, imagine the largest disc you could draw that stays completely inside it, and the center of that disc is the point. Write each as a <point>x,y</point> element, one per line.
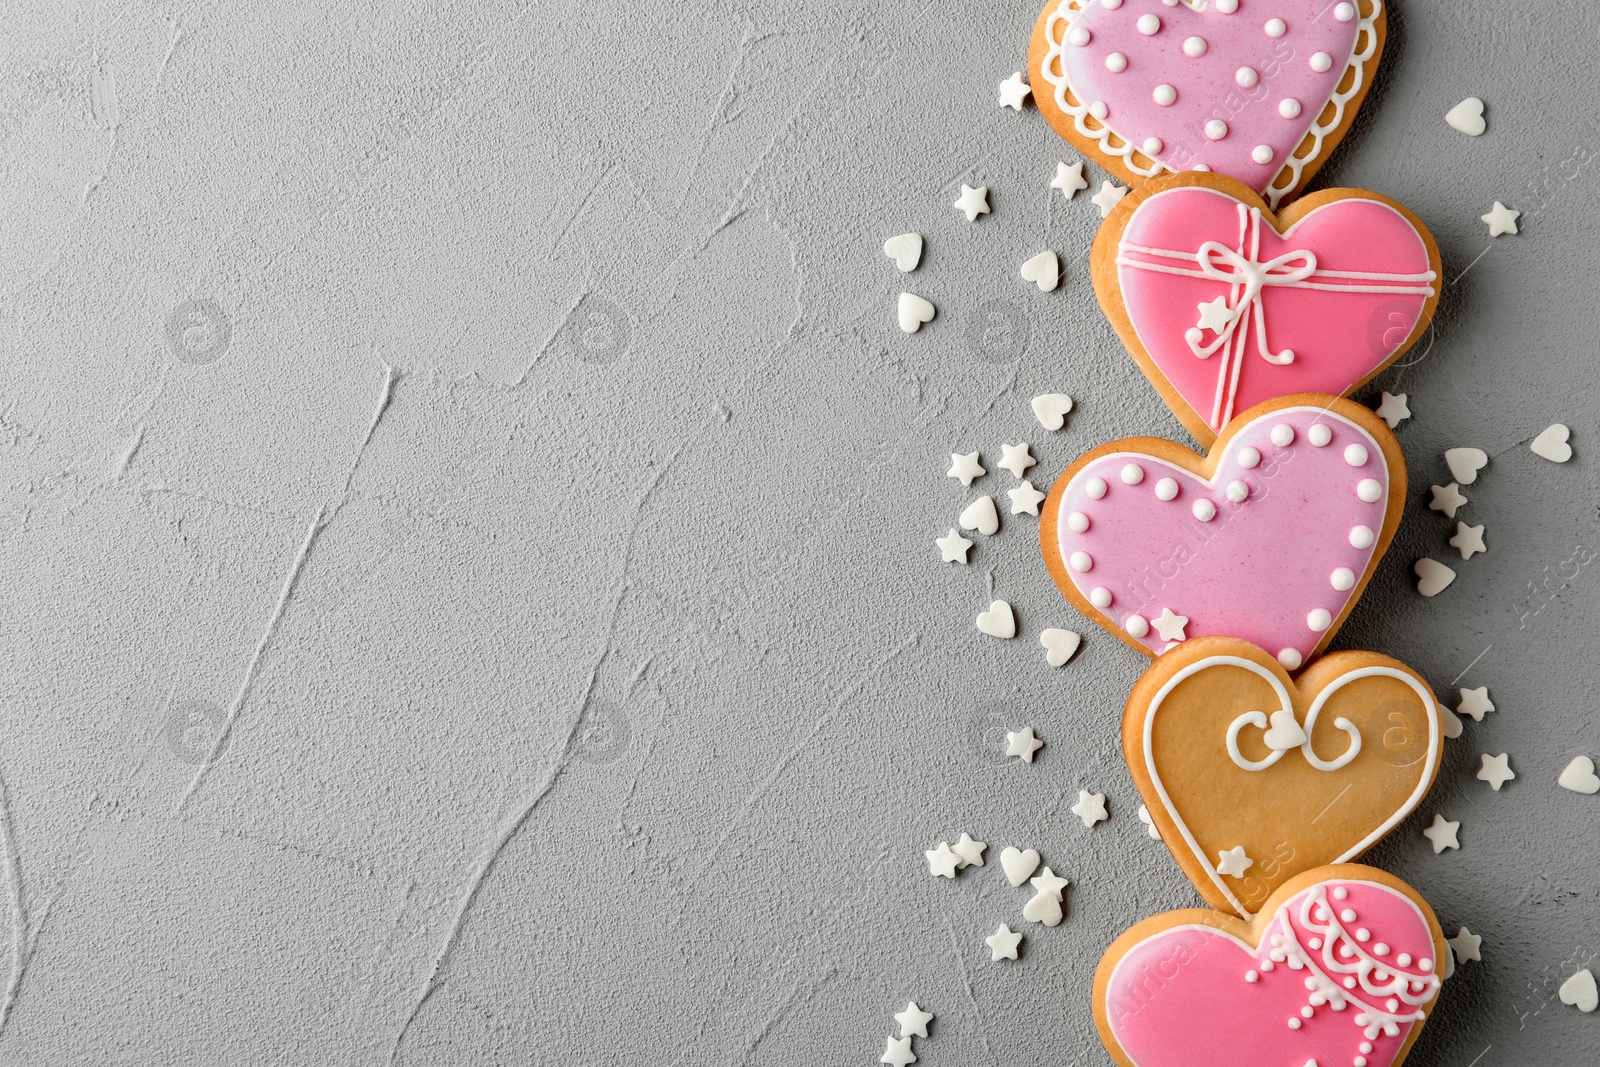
<point>1260,90</point>
<point>1342,967</point>
<point>1270,538</point>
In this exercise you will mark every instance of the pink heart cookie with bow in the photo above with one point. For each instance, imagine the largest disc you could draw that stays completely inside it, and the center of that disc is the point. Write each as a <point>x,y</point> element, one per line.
<point>1224,305</point>
<point>1343,966</point>
<point>1270,538</point>
<point>1261,90</point>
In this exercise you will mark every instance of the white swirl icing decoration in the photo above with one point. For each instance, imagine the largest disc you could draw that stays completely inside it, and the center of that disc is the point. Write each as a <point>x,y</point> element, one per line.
<point>1112,144</point>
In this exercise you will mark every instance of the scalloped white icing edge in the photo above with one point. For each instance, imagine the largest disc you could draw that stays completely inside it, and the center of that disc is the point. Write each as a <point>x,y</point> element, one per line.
<point>1125,151</point>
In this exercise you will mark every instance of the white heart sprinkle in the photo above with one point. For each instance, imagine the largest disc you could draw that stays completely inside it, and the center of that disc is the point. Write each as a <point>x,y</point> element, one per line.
<point>1467,116</point>
<point>1465,463</point>
<point>998,621</point>
<point>1551,444</point>
<point>1044,908</point>
<point>914,311</point>
<point>980,515</point>
<point>1043,270</point>
<point>1285,733</point>
<point>1580,991</point>
<point>1019,866</point>
<point>1059,645</point>
<point>1449,723</point>
<point>1432,576</point>
<point>1051,410</point>
<point>905,249</point>
<point>1580,777</point>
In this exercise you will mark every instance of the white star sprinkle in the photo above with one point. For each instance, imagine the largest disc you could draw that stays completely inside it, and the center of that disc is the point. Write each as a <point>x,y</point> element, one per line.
<point>1474,702</point>
<point>1022,744</point>
<point>1501,220</point>
<point>1214,315</point>
<point>1091,807</point>
<point>1003,943</point>
<point>913,1021</point>
<point>1468,540</point>
<point>1025,499</point>
<point>1442,833</point>
<point>897,1053</point>
<point>1496,770</point>
<point>1446,498</point>
<point>1013,91</point>
<point>1170,625</point>
<point>1465,946</point>
<point>973,202</point>
<point>1049,883</point>
<point>965,468</point>
<point>1234,862</point>
<point>968,852</point>
<point>1109,196</point>
<point>953,547</point>
<point>1069,180</point>
<point>942,863</point>
<point>1393,409</point>
<point>1017,458</point>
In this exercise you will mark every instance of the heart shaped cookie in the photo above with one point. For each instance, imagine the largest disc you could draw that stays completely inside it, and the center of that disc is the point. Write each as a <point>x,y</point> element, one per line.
<point>1271,538</point>
<point>1253,778</point>
<point>1259,92</point>
<point>1342,966</point>
<point>1224,305</point>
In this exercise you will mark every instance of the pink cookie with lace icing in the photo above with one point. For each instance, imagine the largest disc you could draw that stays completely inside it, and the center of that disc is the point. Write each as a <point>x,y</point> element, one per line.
<point>1260,90</point>
<point>1224,305</point>
<point>1342,968</point>
<point>1270,538</point>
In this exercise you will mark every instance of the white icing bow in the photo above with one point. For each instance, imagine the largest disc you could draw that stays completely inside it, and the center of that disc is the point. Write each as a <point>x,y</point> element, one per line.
<point>1221,263</point>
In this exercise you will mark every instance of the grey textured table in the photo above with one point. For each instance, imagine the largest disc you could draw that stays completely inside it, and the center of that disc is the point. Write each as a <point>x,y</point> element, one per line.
<point>498,414</point>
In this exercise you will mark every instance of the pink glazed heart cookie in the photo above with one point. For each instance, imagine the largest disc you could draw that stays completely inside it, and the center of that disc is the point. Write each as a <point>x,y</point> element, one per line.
<point>1341,968</point>
<point>1258,89</point>
<point>1271,538</point>
<point>1224,305</point>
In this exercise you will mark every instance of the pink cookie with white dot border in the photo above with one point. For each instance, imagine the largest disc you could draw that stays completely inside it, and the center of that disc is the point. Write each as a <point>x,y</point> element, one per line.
<point>1269,538</point>
<point>1341,969</point>
<point>1261,90</point>
<point>1224,305</point>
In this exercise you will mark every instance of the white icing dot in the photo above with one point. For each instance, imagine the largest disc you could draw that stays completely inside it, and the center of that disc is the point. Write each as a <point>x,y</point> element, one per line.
<point>1294,1024</point>
<point>1340,892</point>
<point>1425,963</point>
<point>1194,46</point>
<point>1100,597</point>
<point>1359,1061</point>
<point>1116,62</point>
<point>1319,434</point>
<point>1320,61</point>
<point>1237,491</point>
<point>1267,965</point>
<point>1380,949</point>
<point>1319,620</point>
<point>1290,658</point>
<point>1077,522</point>
<point>1368,490</point>
<point>1246,76</point>
<point>1081,561</point>
<point>1275,28</point>
<point>1361,537</point>
<point>1289,107</point>
<point>1166,489</point>
<point>1349,983</point>
<point>1136,625</point>
<point>1216,129</point>
<point>1078,35</point>
<point>1164,95</point>
<point>1099,110</point>
<point>1132,474</point>
<point>1343,12</point>
<point>1355,455</point>
<point>1349,916</point>
<point>1149,24</point>
<point>1261,153</point>
<point>1365,1046</point>
<point>1227,7</point>
<point>1202,167</point>
<point>1095,488</point>
<point>1151,145</point>
<point>1364,935</point>
<point>1404,960</point>
<point>1249,458</point>
<point>1380,975</point>
<point>1193,335</point>
<point>1110,5</point>
<point>1307,1012</point>
<point>1283,435</point>
<point>1251,976</point>
<point>1204,510</point>
<point>1342,578</point>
